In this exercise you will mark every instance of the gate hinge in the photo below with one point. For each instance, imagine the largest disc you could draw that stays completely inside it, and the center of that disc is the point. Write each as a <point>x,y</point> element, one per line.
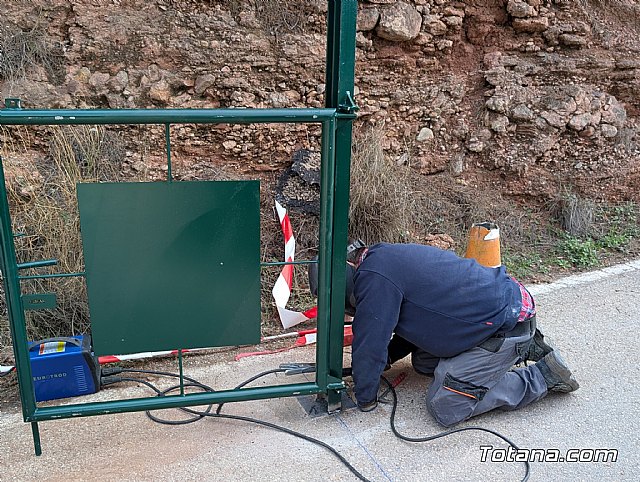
<point>348,107</point>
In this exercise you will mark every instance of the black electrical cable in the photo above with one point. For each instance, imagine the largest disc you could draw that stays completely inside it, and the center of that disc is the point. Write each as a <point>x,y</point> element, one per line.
<point>446,433</point>
<point>197,415</point>
<point>207,413</point>
<point>194,383</point>
<point>253,378</point>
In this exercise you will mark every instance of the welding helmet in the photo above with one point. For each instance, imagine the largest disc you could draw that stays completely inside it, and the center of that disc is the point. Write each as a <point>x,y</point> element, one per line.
<point>349,300</point>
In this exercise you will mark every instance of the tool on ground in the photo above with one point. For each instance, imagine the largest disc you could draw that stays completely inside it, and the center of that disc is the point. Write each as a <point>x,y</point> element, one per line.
<point>394,383</point>
<point>63,367</point>
<point>298,368</point>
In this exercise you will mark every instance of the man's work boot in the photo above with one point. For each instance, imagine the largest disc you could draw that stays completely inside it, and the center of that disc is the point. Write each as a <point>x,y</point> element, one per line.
<point>367,407</point>
<point>556,373</point>
<point>538,348</point>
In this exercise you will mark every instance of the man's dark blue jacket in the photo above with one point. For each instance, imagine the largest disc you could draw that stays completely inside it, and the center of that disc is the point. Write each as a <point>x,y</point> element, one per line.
<point>438,301</point>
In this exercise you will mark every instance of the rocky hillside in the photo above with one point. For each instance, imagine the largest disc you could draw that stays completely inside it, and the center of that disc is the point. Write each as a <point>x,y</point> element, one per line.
<point>524,96</point>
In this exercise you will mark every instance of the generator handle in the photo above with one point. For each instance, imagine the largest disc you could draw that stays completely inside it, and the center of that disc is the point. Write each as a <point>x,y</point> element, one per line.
<point>66,339</point>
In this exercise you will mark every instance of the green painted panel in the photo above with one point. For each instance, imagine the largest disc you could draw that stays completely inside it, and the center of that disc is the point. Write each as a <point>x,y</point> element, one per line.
<point>171,265</point>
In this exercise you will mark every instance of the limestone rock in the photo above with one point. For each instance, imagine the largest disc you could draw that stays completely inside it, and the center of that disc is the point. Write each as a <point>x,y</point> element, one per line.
<point>452,21</point>
<point>399,23</point>
<point>362,41</point>
<point>608,131</point>
<point>203,82</point>
<point>119,82</point>
<point>160,92</point>
<point>574,41</point>
<point>280,100</point>
<point>443,44</point>
<point>454,12</point>
<point>475,145</point>
<point>554,119</point>
<point>579,121</point>
<point>614,113</point>
<point>230,144</point>
<point>499,124</point>
<point>425,134</point>
<point>564,105</point>
<point>522,113</point>
<point>98,81</point>
<point>434,26</point>
<point>496,76</point>
<point>531,25</point>
<point>368,19</point>
<point>520,9</point>
<point>498,103</point>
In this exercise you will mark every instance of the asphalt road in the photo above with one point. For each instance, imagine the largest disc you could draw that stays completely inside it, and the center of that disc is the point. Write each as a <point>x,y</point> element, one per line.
<point>593,319</point>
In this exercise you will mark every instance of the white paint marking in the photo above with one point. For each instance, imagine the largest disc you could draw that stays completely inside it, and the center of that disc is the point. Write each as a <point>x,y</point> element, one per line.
<point>584,278</point>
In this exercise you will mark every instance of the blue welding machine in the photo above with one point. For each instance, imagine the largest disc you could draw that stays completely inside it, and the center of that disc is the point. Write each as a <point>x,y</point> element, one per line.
<point>64,367</point>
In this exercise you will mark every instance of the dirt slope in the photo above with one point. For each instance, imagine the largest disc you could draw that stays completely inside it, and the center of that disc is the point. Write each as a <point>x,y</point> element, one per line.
<point>521,95</point>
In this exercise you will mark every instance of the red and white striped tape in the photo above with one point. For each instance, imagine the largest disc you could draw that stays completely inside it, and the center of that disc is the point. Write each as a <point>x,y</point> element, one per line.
<point>282,289</point>
<point>139,356</point>
<point>306,337</point>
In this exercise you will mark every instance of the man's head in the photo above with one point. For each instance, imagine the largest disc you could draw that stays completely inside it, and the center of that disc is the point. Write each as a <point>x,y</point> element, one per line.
<point>353,251</point>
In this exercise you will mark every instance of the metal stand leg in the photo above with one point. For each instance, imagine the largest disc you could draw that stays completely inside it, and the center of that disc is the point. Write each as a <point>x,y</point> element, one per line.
<point>36,438</point>
<point>334,401</point>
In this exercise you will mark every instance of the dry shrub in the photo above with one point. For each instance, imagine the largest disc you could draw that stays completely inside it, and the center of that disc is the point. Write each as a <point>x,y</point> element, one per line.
<point>380,194</point>
<point>281,16</point>
<point>276,16</point>
<point>442,205</point>
<point>396,204</point>
<point>575,213</point>
<point>86,153</point>
<point>44,208</point>
<point>21,52</point>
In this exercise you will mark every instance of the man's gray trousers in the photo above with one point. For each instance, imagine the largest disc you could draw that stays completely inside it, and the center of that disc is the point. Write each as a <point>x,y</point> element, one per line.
<point>482,379</point>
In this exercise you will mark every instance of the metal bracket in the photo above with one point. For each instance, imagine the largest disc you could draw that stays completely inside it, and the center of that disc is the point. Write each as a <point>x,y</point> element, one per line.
<point>348,107</point>
<point>39,301</point>
<point>12,103</point>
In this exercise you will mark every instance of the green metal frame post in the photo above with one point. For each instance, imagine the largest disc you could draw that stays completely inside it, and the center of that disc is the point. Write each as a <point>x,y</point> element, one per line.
<point>15,311</point>
<point>336,120</point>
<point>340,63</point>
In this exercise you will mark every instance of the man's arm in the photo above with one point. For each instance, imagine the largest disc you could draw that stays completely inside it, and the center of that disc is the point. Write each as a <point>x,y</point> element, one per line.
<point>378,304</point>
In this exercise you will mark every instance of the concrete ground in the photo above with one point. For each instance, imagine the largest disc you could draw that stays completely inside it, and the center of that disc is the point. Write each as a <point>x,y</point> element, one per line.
<point>592,318</point>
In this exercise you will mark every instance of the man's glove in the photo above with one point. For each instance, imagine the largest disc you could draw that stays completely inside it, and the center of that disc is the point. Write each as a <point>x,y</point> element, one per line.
<point>368,406</point>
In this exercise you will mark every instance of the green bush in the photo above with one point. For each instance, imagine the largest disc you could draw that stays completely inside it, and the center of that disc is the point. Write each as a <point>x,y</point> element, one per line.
<point>581,253</point>
<point>523,265</point>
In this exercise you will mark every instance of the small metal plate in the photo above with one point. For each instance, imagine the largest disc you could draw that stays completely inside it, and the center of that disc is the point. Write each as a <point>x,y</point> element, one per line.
<point>39,301</point>
<point>317,406</point>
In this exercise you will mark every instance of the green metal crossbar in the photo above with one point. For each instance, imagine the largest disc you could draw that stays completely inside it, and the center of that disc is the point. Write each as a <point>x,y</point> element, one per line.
<point>336,121</point>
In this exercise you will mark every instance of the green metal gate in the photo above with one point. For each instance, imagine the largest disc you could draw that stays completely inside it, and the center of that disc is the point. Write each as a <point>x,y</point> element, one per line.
<point>336,121</point>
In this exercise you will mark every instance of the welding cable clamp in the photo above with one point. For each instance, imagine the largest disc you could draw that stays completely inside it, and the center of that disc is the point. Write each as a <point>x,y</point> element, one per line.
<point>298,368</point>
